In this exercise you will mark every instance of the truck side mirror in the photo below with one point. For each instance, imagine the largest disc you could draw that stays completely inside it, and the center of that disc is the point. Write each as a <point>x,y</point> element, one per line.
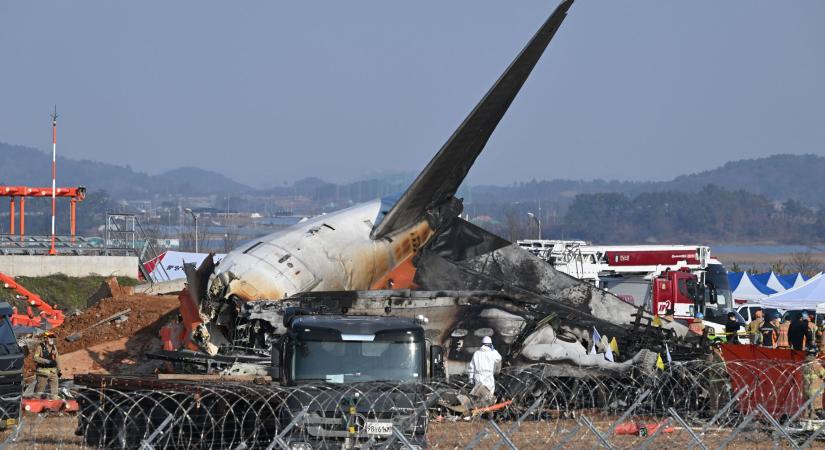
<point>437,369</point>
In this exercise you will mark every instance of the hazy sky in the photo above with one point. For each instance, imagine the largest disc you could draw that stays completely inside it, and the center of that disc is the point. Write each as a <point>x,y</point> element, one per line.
<point>272,91</point>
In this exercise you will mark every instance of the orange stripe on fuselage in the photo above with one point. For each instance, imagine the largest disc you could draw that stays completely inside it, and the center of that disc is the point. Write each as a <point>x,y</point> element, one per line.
<point>402,276</point>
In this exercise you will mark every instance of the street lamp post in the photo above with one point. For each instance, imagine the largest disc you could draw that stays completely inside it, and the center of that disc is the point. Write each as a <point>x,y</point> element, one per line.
<point>538,222</point>
<point>195,218</point>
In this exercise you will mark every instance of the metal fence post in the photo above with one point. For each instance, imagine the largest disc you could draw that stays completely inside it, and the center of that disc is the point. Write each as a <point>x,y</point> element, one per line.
<point>776,425</point>
<point>521,419</point>
<point>627,413</point>
<point>811,439</point>
<point>719,414</point>
<point>420,410</point>
<point>685,425</point>
<point>279,439</point>
<point>593,430</point>
<point>665,423</point>
<point>477,438</point>
<point>12,437</point>
<point>748,419</point>
<point>148,443</point>
<point>568,436</point>
<point>502,435</point>
<point>397,433</point>
<point>806,405</point>
<point>483,432</point>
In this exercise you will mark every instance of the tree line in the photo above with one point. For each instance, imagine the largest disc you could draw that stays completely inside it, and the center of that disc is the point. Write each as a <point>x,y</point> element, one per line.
<point>711,215</point>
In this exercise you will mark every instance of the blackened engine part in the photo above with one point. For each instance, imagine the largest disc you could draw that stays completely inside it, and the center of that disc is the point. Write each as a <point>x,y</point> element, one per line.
<point>466,257</point>
<point>460,240</point>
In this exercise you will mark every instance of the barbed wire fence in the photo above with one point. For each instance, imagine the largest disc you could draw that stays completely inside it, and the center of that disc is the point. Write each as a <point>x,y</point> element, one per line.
<point>688,405</point>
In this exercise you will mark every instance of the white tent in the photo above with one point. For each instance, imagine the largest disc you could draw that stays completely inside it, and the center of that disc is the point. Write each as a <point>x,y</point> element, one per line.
<point>775,283</point>
<point>794,279</point>
<point>750,290</point>
<point>806,296</point>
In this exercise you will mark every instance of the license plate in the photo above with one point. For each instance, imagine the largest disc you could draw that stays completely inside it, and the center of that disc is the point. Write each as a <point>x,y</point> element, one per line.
<point>379,428</point>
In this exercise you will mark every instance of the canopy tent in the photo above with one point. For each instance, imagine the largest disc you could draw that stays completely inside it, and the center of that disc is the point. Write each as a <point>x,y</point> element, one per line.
<point>733,280</point>
<point>793,279</point>
<point>806,296</point>
<point>773,281</point>
<point>748,289</point>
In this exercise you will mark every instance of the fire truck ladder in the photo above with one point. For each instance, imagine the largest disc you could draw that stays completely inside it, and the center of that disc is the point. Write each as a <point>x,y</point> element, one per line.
<point>573,254</point>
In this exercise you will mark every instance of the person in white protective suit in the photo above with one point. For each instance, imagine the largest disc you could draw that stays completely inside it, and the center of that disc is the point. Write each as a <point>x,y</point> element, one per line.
<point>484,366</point>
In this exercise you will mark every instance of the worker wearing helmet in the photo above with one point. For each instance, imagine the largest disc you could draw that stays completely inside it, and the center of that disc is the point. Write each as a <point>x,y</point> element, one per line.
<point>697,326</point>
<point>45,357</point>
<point>486,363</point>
<point>732,328</point>
<point>770,331</point>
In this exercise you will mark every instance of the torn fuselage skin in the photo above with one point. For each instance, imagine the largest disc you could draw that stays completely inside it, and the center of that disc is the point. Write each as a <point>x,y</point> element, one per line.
<point>523,332</point>
<point>328,252</point>
<point>331,252</point>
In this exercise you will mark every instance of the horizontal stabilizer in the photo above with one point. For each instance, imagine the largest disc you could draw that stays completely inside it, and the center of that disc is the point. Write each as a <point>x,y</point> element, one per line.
<point>443,175</point>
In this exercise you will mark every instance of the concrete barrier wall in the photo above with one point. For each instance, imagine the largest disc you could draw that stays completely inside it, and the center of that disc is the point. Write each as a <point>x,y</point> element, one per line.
<point>73,266</point>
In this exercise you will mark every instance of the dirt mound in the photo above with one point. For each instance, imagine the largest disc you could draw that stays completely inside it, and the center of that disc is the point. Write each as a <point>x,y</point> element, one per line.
<point>148,314</point>
<point>112,347</point>
<point>109,288</point>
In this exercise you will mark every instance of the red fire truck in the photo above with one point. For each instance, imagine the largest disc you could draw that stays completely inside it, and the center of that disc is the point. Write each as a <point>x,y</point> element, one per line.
<point>676,279</point>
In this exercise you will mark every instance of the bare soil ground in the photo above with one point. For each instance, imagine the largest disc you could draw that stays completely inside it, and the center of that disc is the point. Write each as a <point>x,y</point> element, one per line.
<point>145,317</point>
<point>113,347</point>
<point>57,431</point>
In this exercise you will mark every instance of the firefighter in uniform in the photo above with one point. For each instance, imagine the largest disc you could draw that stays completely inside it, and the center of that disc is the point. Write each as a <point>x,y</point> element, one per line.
<point>783,334</point>
<point>813,373</point>
<point>770,332</point>
<point>45,357</point>
<point>754,327</point>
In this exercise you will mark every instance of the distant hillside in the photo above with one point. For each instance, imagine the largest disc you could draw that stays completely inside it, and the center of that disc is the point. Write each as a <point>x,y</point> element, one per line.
<point>20,165</point>
<point>778,177</point>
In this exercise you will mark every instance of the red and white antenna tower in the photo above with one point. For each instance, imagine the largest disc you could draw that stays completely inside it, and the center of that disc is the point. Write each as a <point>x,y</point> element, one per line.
<point>54,174</point>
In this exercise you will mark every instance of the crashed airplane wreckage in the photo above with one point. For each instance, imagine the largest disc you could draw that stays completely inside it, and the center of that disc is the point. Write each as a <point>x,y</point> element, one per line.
<point>468,282</point>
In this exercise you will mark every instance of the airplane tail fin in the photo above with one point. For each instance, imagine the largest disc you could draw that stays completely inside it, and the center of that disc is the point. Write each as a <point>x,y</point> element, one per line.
<point>440,180</point>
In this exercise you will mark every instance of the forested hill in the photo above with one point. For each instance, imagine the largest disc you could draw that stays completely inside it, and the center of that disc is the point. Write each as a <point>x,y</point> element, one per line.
<point>777,177</point>
<point>20,165</point>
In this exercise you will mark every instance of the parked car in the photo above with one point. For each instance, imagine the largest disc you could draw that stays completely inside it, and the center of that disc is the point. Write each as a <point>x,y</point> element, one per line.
<point>748,311</point>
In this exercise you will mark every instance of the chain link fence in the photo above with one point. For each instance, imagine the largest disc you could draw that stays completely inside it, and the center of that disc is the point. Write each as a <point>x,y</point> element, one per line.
<point>688,405</point>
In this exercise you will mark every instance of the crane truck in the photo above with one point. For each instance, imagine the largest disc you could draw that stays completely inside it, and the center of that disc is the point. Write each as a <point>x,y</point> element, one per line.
<point>668,280</point>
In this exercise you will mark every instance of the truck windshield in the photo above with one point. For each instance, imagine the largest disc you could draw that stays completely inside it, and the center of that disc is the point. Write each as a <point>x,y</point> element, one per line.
<point>352,361</point>
<point>716,279</point>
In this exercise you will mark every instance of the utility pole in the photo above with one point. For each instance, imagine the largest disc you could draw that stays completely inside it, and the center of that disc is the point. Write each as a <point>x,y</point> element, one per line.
<point>195,218</point>
<point>52,250</point>
<point>538,221</point>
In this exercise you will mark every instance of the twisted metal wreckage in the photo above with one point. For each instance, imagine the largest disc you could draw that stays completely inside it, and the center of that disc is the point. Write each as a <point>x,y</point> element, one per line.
<point>465,280</point>
<point>406,257</point>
